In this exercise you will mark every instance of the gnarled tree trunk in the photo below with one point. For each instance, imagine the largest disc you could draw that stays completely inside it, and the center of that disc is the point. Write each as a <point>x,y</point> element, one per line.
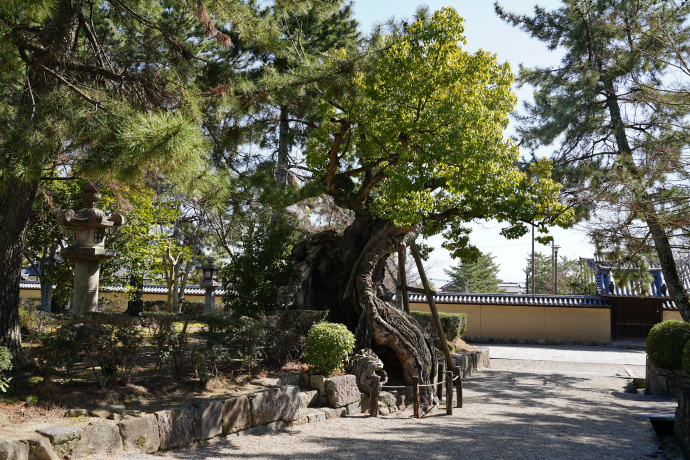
<point>344,275</point>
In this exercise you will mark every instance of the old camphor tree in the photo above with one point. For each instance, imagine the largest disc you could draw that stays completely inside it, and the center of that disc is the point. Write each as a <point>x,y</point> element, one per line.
<point>413,145</point>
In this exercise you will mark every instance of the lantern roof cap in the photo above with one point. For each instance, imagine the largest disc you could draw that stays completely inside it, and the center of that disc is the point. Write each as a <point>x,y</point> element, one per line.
<point>210,264</point>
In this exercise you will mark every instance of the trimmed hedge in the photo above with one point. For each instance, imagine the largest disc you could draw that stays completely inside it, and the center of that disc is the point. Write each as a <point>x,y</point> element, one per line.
<point>328,345</point>
<point>454,324</point>
<point>666,343</point>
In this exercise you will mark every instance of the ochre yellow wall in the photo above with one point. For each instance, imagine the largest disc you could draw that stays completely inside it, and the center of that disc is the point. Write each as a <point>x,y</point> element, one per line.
<point>525,322</point>
<point>119,298</point>
<point>670,314</point>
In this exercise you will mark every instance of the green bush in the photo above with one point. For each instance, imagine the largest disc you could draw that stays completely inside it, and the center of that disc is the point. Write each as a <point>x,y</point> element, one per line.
<point>192,308</point>
<point>454,324</point>
<point>56,351</point>
<point>666,343</point>
<point>155,306</point>
<point>5,365</point>
<point>170,343</point>
<point>328,344</point>
<point>286,333</point>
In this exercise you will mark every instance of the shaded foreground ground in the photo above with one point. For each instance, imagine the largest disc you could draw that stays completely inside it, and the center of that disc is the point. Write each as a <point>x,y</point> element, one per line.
<point>517,409</point>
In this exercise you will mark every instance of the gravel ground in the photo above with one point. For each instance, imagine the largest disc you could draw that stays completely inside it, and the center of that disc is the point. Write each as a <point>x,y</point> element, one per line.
<point>515,409</point>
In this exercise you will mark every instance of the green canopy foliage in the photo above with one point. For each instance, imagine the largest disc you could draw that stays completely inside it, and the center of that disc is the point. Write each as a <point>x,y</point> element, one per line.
<point>418,137</point>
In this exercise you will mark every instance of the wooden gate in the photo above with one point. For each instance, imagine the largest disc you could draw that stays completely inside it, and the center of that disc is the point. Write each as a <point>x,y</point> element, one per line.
<point>632,317</point>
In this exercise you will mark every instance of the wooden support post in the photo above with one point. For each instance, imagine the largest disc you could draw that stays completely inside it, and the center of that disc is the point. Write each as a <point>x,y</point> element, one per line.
<point>449,392</point>
<point>458,385</point>
<point>415,397</point>
<point>432,304</point>
<point>403,279</point>
<point>374,396</point>
<point>441,373</point>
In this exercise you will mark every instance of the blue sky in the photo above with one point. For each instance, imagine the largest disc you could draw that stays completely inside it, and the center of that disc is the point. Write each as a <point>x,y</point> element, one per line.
<point>484,30</point>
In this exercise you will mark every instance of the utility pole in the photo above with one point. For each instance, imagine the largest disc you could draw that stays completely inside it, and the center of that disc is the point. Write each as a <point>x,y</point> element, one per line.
<point>533,259</point>
<point>554,266</point>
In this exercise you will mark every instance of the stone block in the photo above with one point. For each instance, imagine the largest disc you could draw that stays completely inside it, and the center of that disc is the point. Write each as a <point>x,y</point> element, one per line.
<point>14,450</point>
<point>682,426</point>
<point>387,399</point>
<point>178,427</point>
<point>267,382</point>
<point>73,413</point>
<point>318,383</point>
<point>99,438</point>
<point>316,416</point>
<point>265,406</point>
<point>309,398</point>
<point>211,416</point>
<point>100,413</point>
<point>253,431</point>
<point>58,434</point>
<point>353,409</point>
<point>236,415</point>
<point>40,449</point>
<point>289,403</point>
<point>333,413</point>
<point>303,420</point>
<point>115,408</point>
<point>342,390</point>
<point>290,379</point>
<point>140,434</point>
<point>276,426</point>
<point>304,381</point>
<point>62,438</point>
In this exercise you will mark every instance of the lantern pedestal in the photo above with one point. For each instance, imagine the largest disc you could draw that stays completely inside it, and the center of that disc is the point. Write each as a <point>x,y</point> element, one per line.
<point>88,249</point>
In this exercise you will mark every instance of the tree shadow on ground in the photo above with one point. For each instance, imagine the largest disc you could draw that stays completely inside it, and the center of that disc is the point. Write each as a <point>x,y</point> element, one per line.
<point>507,414</point>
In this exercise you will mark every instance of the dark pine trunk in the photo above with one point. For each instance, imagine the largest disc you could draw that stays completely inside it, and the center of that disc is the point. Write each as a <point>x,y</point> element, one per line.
<point>344,275</point>
<point>15,210</point>
<point>57,37</point>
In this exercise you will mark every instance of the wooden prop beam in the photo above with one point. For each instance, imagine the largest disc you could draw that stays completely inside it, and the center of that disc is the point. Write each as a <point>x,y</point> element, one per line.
<point>403,280</point>
<point>432,305</point>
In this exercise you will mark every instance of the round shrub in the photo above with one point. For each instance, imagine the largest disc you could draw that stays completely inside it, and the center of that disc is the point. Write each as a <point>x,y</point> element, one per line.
<point>328,344</point>
<point>666,342</point>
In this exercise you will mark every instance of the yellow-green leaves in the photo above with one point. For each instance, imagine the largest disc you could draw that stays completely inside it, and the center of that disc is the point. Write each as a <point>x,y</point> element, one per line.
<point>425,140</point>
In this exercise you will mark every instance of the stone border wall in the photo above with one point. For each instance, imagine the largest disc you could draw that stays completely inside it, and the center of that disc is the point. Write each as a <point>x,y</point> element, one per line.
<point>471,361</point>
<point>664,382</point>
<point>517,341</point>
<point>256,413</point>
<point>682,426</point>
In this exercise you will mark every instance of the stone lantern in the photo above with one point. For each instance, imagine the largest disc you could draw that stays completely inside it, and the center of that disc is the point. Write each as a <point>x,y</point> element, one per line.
<point>210,282</point>
<point>88,248</point>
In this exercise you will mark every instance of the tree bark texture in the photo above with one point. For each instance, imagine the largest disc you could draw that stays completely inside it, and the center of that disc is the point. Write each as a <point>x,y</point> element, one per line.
<point>18,193</point>
<point>344,275</point>
<point>662,246</point>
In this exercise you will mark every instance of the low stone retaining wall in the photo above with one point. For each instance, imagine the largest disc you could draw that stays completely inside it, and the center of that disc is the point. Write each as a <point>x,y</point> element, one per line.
<point>471,361</point>
<point>664,382</point>
<point>256,413</point>
<point>682,425</point>
<point>517,341</point>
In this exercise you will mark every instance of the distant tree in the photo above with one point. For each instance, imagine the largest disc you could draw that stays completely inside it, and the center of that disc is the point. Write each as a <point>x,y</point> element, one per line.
<point>575,278</point>
<point>543,274</point>
<point>480,276</point>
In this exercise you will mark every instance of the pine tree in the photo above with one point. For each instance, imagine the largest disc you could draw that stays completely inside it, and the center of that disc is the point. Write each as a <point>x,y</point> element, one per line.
<point>480,276</point>
<point>89,88</point>
<point>619,144</point>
